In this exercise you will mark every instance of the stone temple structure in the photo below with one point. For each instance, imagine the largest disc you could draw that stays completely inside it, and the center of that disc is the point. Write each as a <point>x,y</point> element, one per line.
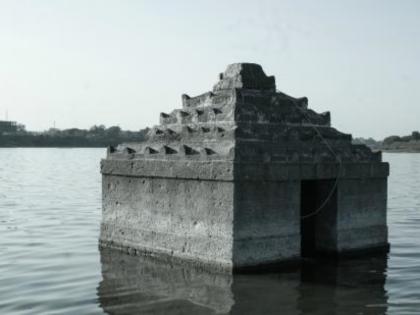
<point>243,176</point>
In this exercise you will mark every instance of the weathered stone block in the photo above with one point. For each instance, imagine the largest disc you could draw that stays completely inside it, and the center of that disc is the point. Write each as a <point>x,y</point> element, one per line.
<point>241,177</point>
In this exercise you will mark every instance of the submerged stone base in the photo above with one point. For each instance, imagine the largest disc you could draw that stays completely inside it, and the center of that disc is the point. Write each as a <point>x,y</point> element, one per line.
<point>228,224</point>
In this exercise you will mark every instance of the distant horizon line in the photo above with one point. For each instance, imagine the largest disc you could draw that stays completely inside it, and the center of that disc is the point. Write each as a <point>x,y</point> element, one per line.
<point>145,128</point>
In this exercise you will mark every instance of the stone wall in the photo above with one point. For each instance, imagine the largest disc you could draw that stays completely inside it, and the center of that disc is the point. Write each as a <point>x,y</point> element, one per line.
<point>361,214</point>
<point>266,222</point>
<point>185,219</point>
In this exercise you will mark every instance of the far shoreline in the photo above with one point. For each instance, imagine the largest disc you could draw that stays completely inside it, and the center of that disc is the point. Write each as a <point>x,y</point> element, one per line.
<point>53,147</point>
<point>105,147</point>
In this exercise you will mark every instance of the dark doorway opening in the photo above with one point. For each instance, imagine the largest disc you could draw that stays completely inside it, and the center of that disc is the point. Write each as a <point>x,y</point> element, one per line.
<point>318,210</point>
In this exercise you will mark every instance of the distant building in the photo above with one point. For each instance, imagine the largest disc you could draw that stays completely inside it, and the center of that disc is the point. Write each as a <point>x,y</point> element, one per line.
<point>10,126</point>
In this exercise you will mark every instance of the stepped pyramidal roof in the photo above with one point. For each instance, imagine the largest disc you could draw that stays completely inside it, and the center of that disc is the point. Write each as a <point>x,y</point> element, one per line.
<point>245,118</point>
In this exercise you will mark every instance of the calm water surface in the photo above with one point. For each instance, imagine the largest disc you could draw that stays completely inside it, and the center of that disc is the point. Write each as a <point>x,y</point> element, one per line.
<point>50,263</point>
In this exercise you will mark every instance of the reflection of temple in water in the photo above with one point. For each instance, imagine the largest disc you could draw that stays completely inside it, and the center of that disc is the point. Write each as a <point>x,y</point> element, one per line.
<point>139,285</point>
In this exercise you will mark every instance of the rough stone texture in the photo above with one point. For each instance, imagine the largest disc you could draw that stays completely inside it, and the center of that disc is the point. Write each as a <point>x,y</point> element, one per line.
<point>169,216</point>
<point>221,181</point>
<point>361,219</point>
<point>266,226</point>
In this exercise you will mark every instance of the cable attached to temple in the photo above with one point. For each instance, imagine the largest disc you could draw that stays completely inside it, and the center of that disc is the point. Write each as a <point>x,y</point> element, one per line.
<point>333,189</point>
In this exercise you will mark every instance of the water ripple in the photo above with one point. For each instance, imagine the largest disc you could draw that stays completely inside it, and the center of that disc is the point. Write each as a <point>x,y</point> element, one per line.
<point>50,208</point>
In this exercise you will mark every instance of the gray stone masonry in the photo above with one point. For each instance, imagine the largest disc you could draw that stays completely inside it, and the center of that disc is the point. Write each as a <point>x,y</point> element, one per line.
<point>243,176</point>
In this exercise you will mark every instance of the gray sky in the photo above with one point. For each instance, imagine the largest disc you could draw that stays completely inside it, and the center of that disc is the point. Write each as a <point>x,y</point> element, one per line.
<point>122,62</point>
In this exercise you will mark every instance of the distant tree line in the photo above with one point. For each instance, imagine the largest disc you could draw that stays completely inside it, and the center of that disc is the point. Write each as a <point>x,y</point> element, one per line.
<point>96,136</point>
<point>415,136</point>
<point>410,143</point>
